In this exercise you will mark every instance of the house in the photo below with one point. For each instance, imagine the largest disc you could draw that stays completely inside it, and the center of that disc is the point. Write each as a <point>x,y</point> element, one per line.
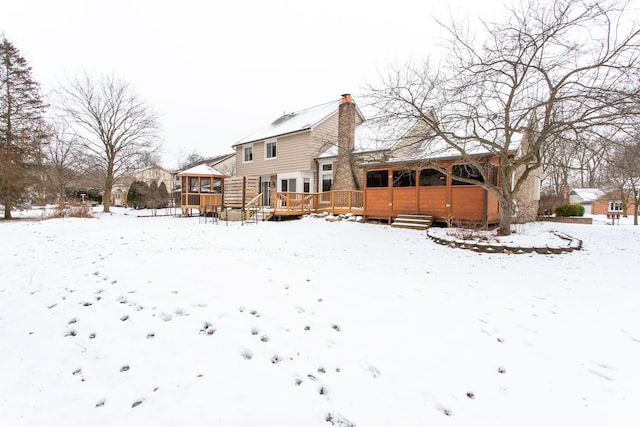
<point>310,161</point>
<point>597,201</point>
<point>146,175</point>
<point>585,197</point>
<point>285,154</point>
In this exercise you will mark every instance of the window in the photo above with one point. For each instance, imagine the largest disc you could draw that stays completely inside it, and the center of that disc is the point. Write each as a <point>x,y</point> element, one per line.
<point>193,184</point>
<point>465,171</point>
<point>306,185</point>
<point>615,205</point>
<point>270,150</point>
<point>377,179</point>
<point>494,175</point>
<point>404,178</point>
<point>288,185</point>
<point>327,179</point>
<point>248,154</point>
<point>432,178</point>
<point>327,167</point>
<point>184,184</point>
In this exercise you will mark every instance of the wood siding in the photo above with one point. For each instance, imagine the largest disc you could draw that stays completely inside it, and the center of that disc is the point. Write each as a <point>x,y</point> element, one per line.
<point>433,200</point>
<point>444,202</point>
<point>292,155</point>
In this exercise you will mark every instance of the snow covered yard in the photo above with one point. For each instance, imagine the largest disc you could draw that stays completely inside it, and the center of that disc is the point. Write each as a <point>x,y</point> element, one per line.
<point>118,321</point>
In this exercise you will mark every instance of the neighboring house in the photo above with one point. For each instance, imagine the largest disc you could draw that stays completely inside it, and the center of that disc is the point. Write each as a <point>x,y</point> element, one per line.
<point>147,175</point>
<point>585,197</point>
<point>600,202</point>
<point>285,154</point>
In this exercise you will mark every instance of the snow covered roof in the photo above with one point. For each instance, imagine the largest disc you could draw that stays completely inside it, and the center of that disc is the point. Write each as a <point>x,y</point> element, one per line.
<point>293,122</point>
<point>587,194</point>
<point>201,170</point>
<point>373,135</point>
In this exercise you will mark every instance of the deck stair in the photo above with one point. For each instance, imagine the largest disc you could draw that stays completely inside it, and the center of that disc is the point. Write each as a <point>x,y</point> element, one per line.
<point>263,214</point>
<point>413,221</point>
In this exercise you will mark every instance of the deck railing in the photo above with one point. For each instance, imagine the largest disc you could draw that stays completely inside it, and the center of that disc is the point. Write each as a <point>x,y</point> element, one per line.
<point>335,202</point>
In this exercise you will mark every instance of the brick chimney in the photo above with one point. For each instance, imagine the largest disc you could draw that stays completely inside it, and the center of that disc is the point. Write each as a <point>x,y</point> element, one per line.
<point>346,124</point>
<point>343,175</point>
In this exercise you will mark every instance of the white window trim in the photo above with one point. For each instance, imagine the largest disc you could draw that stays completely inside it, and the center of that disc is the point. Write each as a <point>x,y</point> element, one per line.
<point>616,205</point>
<point>253,153</point>
<point>266,144</point>
<point>322,173</point>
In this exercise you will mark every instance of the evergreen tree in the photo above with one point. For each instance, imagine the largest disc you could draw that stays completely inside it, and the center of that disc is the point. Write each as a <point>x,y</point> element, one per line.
<point>137,195</point>
<point>21,135</point>
<point>163,195</point>
<point>152,198</point>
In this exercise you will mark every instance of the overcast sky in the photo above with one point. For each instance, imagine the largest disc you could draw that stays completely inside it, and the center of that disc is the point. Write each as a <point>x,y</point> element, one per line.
<point>216,71</point>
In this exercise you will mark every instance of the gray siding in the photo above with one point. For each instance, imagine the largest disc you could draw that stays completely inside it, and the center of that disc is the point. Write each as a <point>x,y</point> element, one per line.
<point>292,154</point>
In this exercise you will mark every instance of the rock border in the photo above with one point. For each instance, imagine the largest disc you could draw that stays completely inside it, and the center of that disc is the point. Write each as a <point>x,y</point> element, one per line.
<point>573,244</point>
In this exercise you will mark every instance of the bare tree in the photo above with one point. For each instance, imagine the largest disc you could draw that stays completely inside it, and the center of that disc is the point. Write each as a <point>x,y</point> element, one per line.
<point>624,175</point>
<point>65,165</point>
<point>549,68</point>
<point>113,125</point>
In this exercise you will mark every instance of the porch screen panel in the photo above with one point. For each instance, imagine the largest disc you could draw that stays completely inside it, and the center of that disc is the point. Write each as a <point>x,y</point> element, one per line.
<point>205,185</point>
<point>465,171</point>
<point>432,178</point>
<point>377,179</point>
<point>193,184</point>
<point>404,178</point>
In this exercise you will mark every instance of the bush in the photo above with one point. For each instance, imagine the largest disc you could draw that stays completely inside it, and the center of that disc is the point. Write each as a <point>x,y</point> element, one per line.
<point>570,210</point>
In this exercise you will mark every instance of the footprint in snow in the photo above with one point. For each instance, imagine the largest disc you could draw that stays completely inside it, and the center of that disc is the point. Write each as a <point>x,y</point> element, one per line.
<point>275,359</point>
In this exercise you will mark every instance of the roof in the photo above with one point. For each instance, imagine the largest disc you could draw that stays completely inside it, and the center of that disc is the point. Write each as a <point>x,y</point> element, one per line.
<point>293,122</point>
<point>210,161</point>
<point>437,149</point>
<point>587,194</point>
<point>201,170</point>
<point>373,135</point>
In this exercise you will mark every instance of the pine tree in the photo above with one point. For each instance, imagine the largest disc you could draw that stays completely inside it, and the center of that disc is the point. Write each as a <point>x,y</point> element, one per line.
<point>21,110</point>
<point>163,195</point>
<point>137,195</point>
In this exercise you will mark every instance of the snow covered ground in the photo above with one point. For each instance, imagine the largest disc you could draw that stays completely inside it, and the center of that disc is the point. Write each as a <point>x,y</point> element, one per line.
<point>126,321</point>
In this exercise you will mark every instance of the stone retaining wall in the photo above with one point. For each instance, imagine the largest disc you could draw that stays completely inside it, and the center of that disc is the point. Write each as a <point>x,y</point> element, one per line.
<point>572,245</point>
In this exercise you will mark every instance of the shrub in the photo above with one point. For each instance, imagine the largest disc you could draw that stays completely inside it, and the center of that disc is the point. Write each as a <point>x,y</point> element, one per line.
<point>570,210</point>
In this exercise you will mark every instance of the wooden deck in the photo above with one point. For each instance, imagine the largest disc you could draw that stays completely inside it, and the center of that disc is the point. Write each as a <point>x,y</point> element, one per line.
<point>333,202</point>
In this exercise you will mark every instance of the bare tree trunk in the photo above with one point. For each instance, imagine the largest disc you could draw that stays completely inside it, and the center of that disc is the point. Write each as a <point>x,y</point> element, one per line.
<point>7,207</point>
<point>506,216</point>
<point>108,186</point>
